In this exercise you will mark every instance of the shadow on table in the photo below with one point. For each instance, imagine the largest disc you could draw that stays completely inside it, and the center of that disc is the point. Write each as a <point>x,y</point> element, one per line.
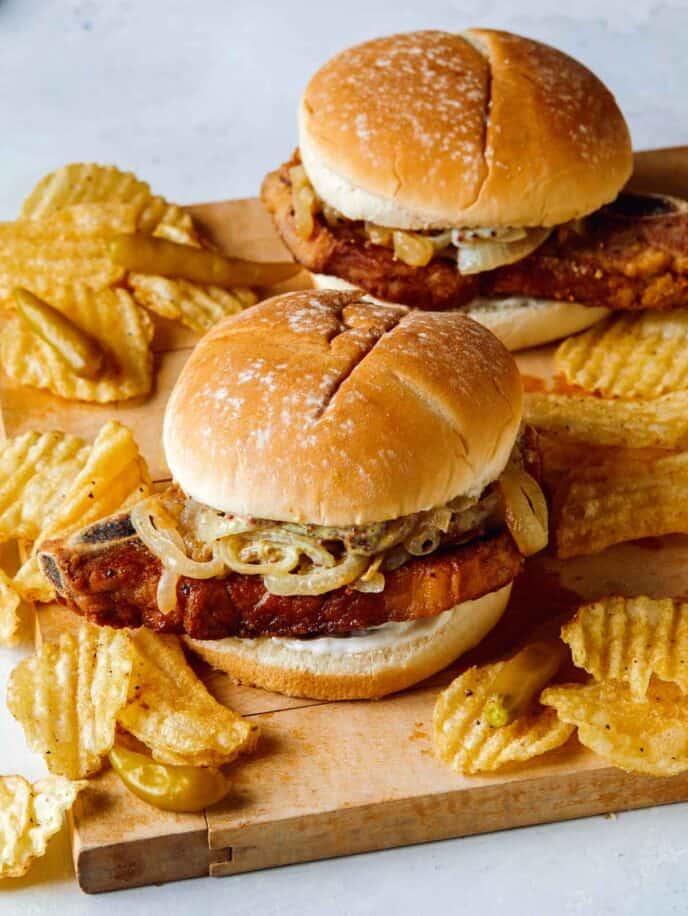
<point>55,867</point>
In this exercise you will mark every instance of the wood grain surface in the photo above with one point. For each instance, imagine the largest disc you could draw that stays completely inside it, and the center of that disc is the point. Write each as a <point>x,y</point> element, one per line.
<point>338,778</point>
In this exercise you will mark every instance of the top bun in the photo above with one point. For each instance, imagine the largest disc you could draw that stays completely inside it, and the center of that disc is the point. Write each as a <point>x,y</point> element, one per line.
<point>323,408</point>
<point>429,129</point>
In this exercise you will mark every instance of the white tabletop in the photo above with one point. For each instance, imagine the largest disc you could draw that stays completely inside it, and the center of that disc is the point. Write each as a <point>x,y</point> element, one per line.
<point>199,98</point>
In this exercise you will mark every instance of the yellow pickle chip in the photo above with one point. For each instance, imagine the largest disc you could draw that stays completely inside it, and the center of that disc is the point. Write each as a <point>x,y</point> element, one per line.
<point>489,716</point>
<point>198,307</point>
<point>64,248</point>
<point>110,320</point>
<point>115,476</point>
<point>9,610</point>
<point>621,496</point>
<point>658,423</point>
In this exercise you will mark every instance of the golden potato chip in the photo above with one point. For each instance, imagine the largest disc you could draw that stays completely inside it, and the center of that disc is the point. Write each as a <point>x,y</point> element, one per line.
<point>628,494</point>
<point>36,470</point>
<point>172,712</point>
<point>630,639</point>
<point>181,234</point>
<point>65,247</point>
<point>198,307</point>
<point>658,423</point>
<point>30,583</point>
<point>29,816</point>
<point>158,213</point>
<point>112,318</point>
<point>84,183</point>
<point>636,355</point>
<point>67,696</point>
<point>466,740</point>
<point>640,736</point>
<point>9,610</point>
<point>559,453</point>
<point>115,476</point>
<point>88,182</point>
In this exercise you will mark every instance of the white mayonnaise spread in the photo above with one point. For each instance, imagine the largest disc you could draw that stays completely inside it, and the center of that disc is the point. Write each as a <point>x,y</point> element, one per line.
<point>469,620</point>
<point>388,634</point>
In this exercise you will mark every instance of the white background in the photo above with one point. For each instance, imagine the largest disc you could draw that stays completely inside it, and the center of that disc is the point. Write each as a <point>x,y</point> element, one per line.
<point>198,97</point>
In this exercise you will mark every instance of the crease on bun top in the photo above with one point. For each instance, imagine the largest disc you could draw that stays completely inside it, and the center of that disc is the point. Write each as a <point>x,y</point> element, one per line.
<point>432,129</point>
<point>323,407</point>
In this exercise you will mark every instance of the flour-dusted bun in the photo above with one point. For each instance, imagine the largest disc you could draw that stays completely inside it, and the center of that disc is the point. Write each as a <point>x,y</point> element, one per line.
<point>357,667</point>
<point>518,321</point>
<point>431,129</point>
<point>321,407</point>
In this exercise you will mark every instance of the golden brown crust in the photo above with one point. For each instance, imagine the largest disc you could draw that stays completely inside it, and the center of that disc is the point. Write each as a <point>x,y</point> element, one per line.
<point>612,260</point>
<point>115,584</point>
<point>345,253</point>
<point>617,260</point>
<point>321,407</point>
<point>430,129</point>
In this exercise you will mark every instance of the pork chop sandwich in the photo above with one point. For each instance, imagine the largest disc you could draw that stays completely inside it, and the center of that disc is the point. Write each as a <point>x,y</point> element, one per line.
<point>350,502</point>
<point>456,171</point>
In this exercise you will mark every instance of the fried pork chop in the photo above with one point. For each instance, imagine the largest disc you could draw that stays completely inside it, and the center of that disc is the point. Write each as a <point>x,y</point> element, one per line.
<point>630,255</point>
<point>107,574</point>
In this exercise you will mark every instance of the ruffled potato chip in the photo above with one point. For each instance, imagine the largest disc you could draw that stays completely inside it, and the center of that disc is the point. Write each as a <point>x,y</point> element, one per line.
<point>114,477</point>
<point>630,639</point>
<point>467,735</point>
<point>621,496</point>
<point>65,247</point>
<point>88,182</point>
<point>67,696</point>
<point>658,423</point>
<point>31,584</point>
<point>36,471</point>
<point>198,307</point>
<point>637,355</point>
<point>641,736</point>
<point>29,816</point>
<point>111,318</point>
<point>9,610</point>
<point>174,715</point>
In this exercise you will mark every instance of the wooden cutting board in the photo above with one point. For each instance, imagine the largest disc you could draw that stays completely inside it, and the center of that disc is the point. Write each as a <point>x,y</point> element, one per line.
<point>333,779</point>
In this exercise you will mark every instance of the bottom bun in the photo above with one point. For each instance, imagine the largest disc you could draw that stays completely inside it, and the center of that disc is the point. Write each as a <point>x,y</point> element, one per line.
<point>367,665</point>
<point>521,321</point>
<point>518,321</point>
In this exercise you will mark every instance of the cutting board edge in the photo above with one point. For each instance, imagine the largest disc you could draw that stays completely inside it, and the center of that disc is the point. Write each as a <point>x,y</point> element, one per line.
<point>448,815</point>
<point>150,860</point>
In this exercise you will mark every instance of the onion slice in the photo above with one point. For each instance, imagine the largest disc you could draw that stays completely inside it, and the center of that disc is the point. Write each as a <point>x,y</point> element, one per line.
<point>486,254</point>
<point>318,580</point>
<point>167,591</point>
<point>525,510</point>
<point>167,544</point>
